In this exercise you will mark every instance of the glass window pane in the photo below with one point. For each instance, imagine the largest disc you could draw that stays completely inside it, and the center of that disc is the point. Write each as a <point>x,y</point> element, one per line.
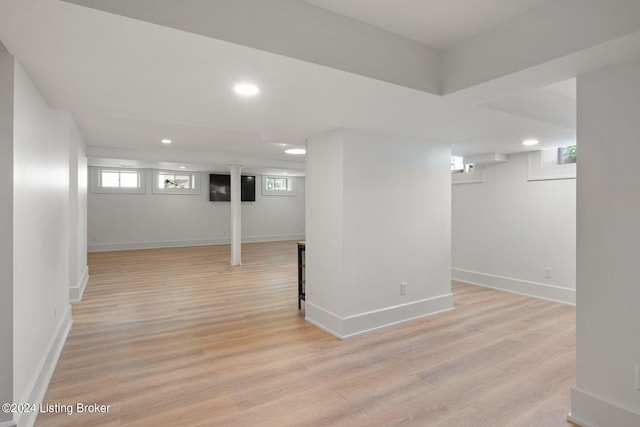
<point>128,179</point>
<point>568,154</point>
<point>166,180</point>
<point>183,181</point>
<point>110,179</point>
<point>270,183</point>
<point>457,163</point>
<point>281,184</point>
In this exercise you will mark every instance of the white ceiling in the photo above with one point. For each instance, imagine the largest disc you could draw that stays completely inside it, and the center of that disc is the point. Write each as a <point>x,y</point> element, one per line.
<point>130,83</point>
<point>435,23</point>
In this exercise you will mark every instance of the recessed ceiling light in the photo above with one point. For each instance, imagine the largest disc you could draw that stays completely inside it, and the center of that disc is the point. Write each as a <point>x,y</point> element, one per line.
<point>246,89</point>
<point>530,142</point>
<point>295,151</point>
<point>166,141</point>
<point>183,167</point>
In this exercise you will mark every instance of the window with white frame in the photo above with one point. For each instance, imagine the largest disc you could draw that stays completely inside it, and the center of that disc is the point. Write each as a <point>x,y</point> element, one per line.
<point>459,166</point>
<point>559,156</point>
<point>117,180</point>
<point>553,163</point>
<point>174,182</point>
<point>278,185</point>
<point>465,173</point>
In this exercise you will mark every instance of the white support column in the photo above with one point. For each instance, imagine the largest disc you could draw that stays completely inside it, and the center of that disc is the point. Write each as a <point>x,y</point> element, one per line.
<point>236,215</point>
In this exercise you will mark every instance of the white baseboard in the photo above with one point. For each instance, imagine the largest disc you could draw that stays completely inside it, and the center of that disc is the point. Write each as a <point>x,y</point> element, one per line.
<point>357,324</point>
<point>272,238</point>
<point>589,410</point>
<point>40,380</point>
<point>76,292</point>
<point>106,247</point>
<point>516,286</point>
<point>323,319</point>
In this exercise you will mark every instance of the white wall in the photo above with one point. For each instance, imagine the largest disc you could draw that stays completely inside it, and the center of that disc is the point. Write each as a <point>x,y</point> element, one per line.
<point>130,221</point>
<point>82,273</point>
<point>324,240</point>
<point>608,314</point>
<point>78,269</point>
<point>506,230</point>
<point>382,204</point>
<point>6,229</point>
<point>42,314</point>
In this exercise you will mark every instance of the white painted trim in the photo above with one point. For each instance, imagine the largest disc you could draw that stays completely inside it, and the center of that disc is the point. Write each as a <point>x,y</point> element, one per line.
<point>358,324</point>
<point>538,172</point>
<point>193,191</point>
<point>290,180</point>
<point>39,382</point>
<point>590,410</point>
<point>95,187</point>
<point>272,238</point>
<point>323,319</point>
<point>106,247</point>
<point>76,292</point>
<point>365,322</point>
<point>521,287</point>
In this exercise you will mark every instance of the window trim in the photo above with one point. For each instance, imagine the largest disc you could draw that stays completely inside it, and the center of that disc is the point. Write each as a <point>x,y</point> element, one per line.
<point>96,184</point>
<point>541,172</point>
<point>195,181</point>
<point>290,180</point>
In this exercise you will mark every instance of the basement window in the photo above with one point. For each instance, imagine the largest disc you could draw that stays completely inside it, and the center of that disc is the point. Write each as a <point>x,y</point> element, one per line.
<point>117,180</point>
<point>172,182</point>
<point>278,186</point>
<point>459,166</point>
<point>553,163</point>
<point>559,156</point>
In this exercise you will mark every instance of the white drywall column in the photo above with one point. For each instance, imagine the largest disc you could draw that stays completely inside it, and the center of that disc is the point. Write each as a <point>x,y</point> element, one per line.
<point>608,245</point>
<point>79,270</point>
<point>378,215</point>
<point>6,229</point>
<point>236,215</point>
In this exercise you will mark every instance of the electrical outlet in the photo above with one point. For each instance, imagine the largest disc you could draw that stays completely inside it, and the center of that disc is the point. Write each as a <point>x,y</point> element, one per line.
<point>403,288</point>
<point>547,272</point>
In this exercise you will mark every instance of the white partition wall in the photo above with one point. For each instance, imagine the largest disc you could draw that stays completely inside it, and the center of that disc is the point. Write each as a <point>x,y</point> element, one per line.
<point>607,391</point>
<point>516,235</point>
<point>6,230</point>
<point>378,230</point>
<point>39,236</point>
<point>78,268</point>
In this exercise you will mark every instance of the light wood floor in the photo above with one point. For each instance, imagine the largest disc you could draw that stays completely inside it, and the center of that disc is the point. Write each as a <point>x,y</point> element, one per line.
<point>176,337</point>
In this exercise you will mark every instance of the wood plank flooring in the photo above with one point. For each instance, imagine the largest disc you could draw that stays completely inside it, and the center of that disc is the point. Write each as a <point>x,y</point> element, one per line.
<point>177,337</point>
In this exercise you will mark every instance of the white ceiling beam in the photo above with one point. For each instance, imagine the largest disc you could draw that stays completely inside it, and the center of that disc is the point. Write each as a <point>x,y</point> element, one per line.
<point>295,29</point>
<point>546,34</point>
<point>197,160</point>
